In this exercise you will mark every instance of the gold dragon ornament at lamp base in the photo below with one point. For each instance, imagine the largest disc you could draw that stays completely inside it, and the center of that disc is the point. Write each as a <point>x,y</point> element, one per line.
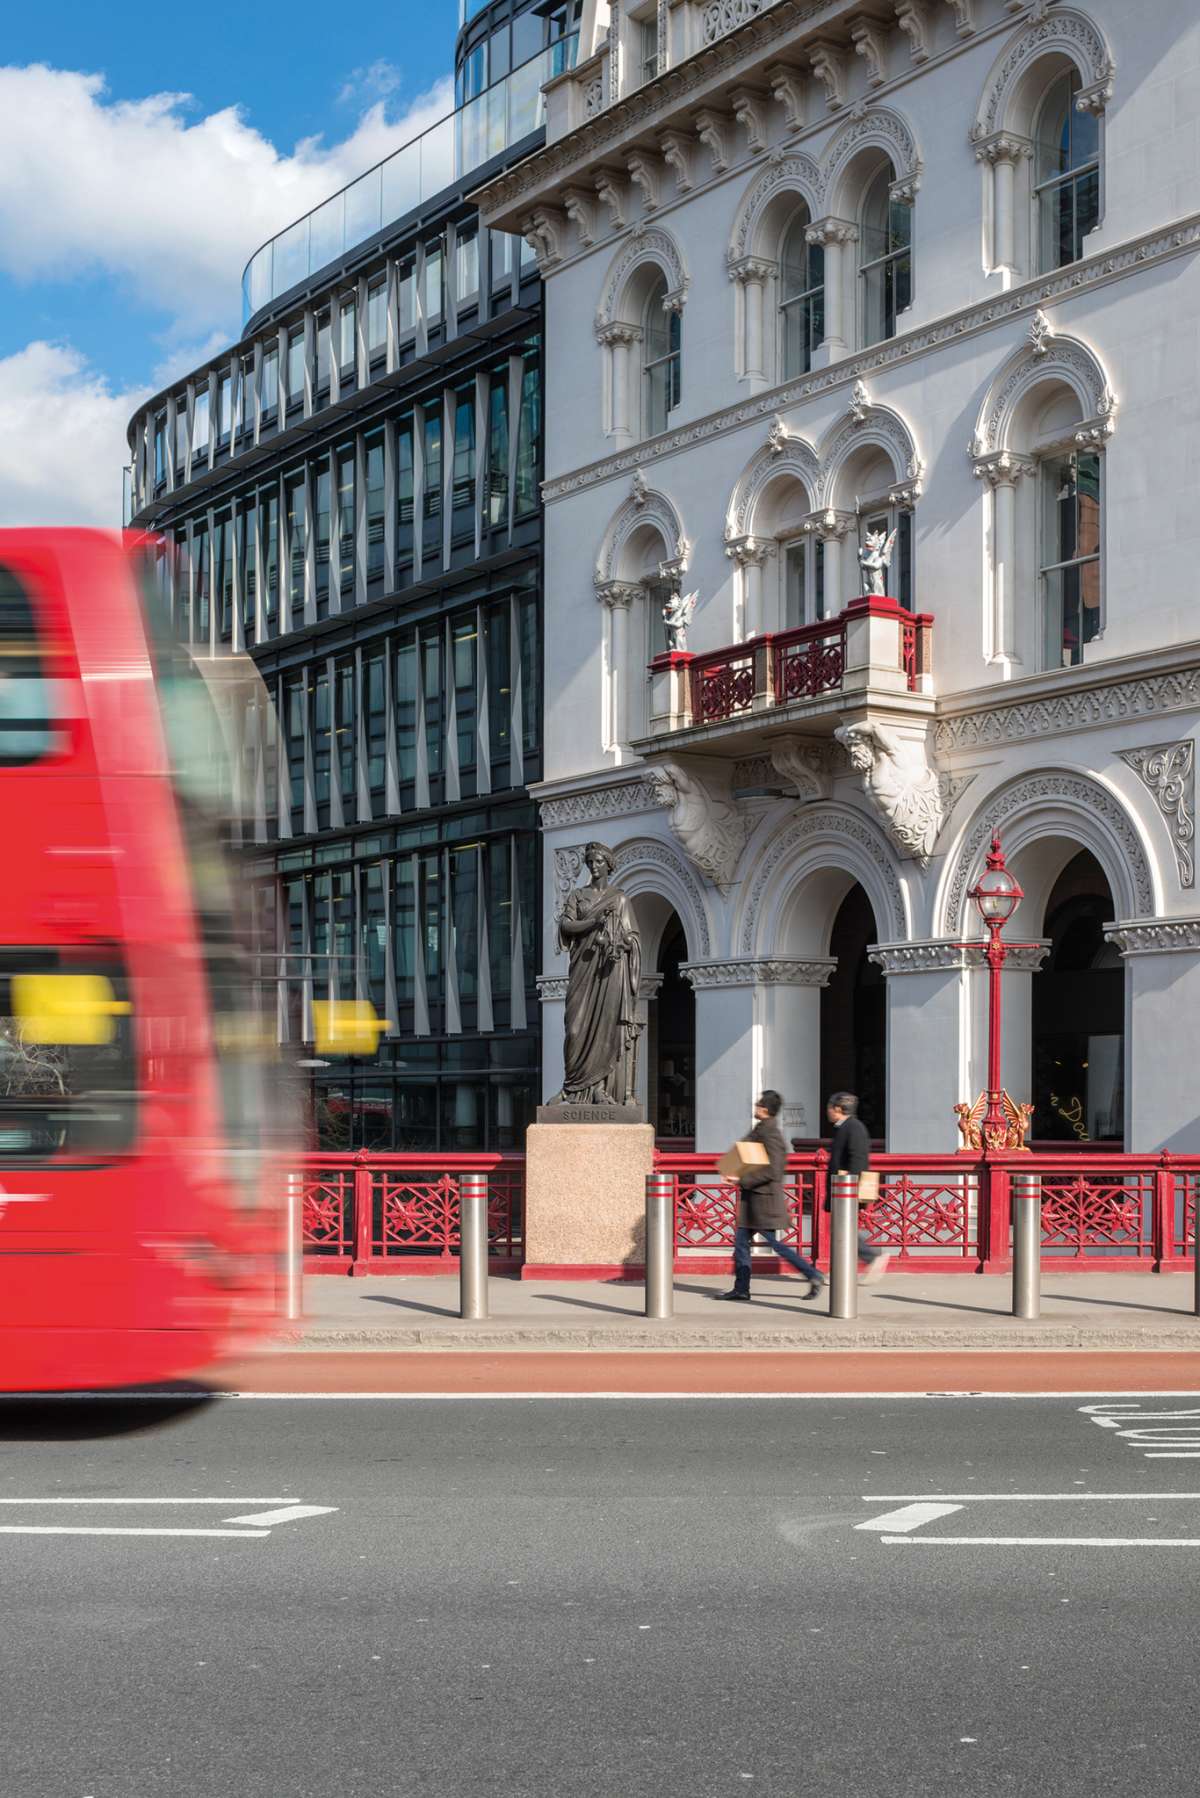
<point>1010,1135</point>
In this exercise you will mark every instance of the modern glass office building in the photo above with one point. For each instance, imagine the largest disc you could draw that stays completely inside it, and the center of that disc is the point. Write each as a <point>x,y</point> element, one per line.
<point>351,494</point>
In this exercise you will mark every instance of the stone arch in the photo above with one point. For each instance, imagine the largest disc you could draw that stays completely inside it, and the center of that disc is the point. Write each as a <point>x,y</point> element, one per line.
<point>782,458</point>
<point>1062,33</point>
<point>882,129</point>
<point>1045,359</point>
<point>648,868</point>
<point>1064,803</point>
<point>835,846</point>
<point>870,426</point>
<point>645,512</point>
<point>655,249</point>
<point>794,177</point>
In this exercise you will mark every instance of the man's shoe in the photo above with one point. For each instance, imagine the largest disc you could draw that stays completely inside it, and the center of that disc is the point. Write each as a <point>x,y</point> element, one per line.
<point>876,1269</point>
<point>815,1289</point>
<point>739,1298</point>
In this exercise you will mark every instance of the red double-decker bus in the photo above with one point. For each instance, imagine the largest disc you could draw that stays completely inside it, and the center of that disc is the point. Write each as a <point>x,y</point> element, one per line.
<point>139,1231</point>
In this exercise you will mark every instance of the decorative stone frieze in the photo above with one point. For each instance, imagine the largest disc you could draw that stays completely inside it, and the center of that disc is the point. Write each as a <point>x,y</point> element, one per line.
<point>595,804</point>
<point>1168,771</point>
<point>1078,708</point>
<point>945,955</point>
<point>1156,936</point>
<point>552,988</point>
<point>750,971</point>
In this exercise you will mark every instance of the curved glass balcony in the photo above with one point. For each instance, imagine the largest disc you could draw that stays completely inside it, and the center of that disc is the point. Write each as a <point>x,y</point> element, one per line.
<point>425,166</point>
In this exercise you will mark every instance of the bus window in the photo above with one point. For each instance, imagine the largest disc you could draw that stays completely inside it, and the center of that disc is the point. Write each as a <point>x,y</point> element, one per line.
<point>26,712</point>
<point>67,1071</point>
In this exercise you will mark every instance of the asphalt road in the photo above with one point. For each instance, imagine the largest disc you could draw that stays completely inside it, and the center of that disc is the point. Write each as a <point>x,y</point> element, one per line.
<point>600,1597</point>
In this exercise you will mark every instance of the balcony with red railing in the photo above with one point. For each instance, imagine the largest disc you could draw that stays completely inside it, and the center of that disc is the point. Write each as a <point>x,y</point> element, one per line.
<point>874,649</point>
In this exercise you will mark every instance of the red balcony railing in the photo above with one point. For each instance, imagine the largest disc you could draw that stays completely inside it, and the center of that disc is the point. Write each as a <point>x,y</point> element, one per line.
<point>807,662</point>
<point>724,684</point>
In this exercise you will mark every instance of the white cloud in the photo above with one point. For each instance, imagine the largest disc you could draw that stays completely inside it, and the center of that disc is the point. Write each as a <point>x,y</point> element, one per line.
<point>169,205</point>
<point>374,82</point>
<point>62,439</point>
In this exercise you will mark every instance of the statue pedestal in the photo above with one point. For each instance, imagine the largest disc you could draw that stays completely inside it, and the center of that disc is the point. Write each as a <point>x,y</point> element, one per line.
<point>585,1199</point>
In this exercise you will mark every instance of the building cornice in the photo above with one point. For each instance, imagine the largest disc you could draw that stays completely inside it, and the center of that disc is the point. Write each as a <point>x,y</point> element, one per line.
<point>946,955</point>
<point>591,803</point>
<point>1085,698</point>
<point>1137,253</point>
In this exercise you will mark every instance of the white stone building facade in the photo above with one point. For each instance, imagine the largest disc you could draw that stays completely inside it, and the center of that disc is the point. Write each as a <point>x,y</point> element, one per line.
<point>932,267</point>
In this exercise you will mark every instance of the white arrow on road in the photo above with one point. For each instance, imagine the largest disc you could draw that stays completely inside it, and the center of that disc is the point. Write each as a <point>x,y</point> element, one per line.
<point>255,1525</point>
<point>289,1514</point>
<point>909,1517</point>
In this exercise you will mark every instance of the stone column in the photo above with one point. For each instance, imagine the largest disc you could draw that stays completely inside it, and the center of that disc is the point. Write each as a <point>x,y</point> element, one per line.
<point>830,528</point>
<point>1002,151</point>
<point>1162,1003</point>
<point>750,555</point>
<point>617,597</point>
<point>552,991</point>
<point>619,339</point>
<point>1002,470</point>
<point>648,990</point>
<point>937,999</point>
<point>834,235</point>
<point>752,274</point>
<point>757,1024</point>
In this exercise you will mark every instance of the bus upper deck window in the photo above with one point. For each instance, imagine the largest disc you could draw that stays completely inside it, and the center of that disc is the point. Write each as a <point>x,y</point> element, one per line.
<point>26,698</point>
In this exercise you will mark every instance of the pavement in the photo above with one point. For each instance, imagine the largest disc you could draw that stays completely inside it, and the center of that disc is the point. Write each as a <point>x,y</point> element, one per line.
<point>865,1598</point>
<point>966,1312</point>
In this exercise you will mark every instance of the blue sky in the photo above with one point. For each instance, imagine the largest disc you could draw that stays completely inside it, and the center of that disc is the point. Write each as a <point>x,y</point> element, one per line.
<point>144,152</point>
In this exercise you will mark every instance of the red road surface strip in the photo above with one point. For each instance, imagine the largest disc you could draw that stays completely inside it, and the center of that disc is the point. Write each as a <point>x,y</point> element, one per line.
<point>529,1371</point>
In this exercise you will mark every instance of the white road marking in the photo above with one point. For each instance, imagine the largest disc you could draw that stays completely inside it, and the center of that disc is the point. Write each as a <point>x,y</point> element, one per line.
<point>909,1517</point>
<point>1019,1498</point>
<point>289,1514</point>
<point>1171,1454</point>
<point>148,1501</point>
<point>1048,1541</point>
<point>65,1529</point>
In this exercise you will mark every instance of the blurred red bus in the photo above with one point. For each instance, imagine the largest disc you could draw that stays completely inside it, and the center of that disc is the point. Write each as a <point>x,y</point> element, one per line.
<point>139,1233</point>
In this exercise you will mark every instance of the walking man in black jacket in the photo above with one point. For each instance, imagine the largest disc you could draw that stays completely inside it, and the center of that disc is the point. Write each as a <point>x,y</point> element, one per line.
<point>850,1153</point>
<point>763,1206</point>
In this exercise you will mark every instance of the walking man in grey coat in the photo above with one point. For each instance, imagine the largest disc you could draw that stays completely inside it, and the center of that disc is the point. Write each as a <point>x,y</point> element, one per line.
<point>763,1206</point>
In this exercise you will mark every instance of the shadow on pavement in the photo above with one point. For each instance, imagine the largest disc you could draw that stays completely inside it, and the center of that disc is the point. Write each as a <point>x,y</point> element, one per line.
<point>74,1417</point>
<point>1078,1298</point>
<point>385,1298</point>
<point>802,1309</point>
<point>904,1298</point>
<point>560,1298</point>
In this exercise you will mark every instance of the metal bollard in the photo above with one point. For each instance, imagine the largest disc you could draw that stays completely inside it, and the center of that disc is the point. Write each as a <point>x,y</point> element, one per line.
<point>1027,1245</point>
<point>660,1245</point>
<point>473,1246</point>
<point>293,1252</point>
<point>843,1246</point>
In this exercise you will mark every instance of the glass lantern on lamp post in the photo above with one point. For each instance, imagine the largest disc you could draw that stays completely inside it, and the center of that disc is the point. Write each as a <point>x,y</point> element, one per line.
<point>996,895</point>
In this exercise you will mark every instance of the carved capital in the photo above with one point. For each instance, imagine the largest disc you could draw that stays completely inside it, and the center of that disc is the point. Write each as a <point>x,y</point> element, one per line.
<point>747,270</point>
<point>552,988</point>
<point>1003,468</point>
<point>1003,146</point>
<point>826,231</point>
<point>1156,936</point>
<point>758,971</point>
<point>617,333</point>
<point>941,955</point>
<point>617,596</point>
<point>750,552</point>
<point>829,524</point>
<point>1096,96</point>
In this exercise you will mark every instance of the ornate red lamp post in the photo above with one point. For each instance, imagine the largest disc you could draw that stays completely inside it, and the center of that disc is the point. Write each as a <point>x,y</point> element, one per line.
<point>997,894</point>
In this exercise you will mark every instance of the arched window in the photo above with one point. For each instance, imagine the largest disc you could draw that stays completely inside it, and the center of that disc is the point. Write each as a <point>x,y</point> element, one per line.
<point>885,257</point>
<point>1070,504</point>
<point>661,345</point>
<point>801,298</point>
<point>1066,176</point>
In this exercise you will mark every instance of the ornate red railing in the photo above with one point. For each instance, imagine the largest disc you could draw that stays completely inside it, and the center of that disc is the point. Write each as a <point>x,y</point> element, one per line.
<point>808,662</point>
<point>723,684</point>
<point>399,1213</point>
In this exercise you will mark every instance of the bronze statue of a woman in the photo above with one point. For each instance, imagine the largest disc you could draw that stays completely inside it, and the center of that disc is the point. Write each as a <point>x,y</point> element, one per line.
<point>598,932</point>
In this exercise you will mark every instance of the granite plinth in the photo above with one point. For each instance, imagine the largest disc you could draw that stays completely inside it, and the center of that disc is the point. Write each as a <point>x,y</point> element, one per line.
<point>585,1194</point>
<point>557,1113</point>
